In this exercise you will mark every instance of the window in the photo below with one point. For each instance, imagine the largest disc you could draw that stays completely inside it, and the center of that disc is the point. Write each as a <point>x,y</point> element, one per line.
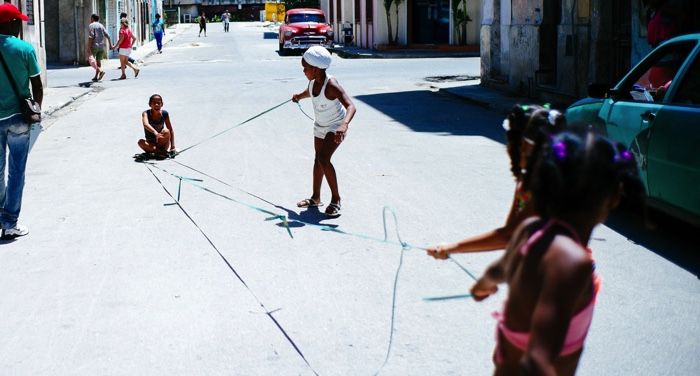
<point>689,90</point>
<point>650,82</point>
<point>306,17</point>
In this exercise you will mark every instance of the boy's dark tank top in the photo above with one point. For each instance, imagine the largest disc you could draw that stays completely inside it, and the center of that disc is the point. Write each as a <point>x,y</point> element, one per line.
<point>157,125</point>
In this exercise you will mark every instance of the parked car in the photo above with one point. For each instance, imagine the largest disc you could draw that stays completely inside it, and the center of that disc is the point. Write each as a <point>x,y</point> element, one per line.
<point>655,111</point>
<point>303,28</point>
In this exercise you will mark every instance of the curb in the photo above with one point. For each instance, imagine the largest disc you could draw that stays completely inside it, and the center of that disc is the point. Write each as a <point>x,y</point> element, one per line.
<point>496,106</point>
<point>399,55</point>
<point>61,106</point>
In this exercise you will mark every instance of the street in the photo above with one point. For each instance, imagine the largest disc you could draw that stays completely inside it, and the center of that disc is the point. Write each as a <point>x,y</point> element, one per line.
<point>236,280</point>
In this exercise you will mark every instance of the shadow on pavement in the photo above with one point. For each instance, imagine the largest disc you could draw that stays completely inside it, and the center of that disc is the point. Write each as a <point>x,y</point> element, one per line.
<point>311,215</point>
<point>670,238</point>
<point>269,35</point>
<point>436,114</point>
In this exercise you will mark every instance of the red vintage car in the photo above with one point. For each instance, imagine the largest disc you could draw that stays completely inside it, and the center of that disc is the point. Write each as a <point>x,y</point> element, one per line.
<point>303,28</point>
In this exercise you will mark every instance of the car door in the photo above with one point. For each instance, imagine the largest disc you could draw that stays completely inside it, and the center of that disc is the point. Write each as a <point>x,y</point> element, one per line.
<point>673,157</point>
<point>639,99</point>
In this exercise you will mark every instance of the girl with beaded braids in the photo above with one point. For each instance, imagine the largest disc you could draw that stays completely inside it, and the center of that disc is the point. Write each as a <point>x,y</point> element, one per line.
<point>526,126</point>
<point>576,180</point>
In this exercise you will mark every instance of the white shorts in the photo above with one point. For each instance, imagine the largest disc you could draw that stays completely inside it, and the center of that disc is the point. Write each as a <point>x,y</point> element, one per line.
<point>125,51</point>
<point>321,132</point>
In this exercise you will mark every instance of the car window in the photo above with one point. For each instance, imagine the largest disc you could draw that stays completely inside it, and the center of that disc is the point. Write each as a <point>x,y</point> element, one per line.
<point>653,78</point>
<point>306,17</point>
<point>689,89</point>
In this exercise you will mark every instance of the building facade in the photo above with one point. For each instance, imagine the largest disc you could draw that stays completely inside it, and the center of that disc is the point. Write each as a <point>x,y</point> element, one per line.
<point>405,23</point>
<point>33,30</point>
<point>188,10</point>
<point>67,21</point>
<point>552,49</point>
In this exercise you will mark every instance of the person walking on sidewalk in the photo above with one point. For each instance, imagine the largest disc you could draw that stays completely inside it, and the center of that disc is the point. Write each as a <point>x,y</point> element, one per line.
<point>19,68</point>
<point>126,41</point>
<point>130,59</point>
<point>158,33</point>
<point>225,18</point>
<point>202,24</point>
<point>96,46</point>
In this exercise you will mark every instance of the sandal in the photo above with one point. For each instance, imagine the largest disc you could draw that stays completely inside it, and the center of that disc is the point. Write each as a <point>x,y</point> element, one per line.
<point>308,203</point>
<point>333,210</point>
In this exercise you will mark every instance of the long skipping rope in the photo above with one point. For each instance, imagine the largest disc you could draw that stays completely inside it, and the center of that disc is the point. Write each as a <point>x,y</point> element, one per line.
<point>268,313</point>
<point>404,246</point>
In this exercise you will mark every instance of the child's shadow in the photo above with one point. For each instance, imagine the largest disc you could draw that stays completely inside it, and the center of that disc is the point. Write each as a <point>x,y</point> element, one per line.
<point>311,216</point>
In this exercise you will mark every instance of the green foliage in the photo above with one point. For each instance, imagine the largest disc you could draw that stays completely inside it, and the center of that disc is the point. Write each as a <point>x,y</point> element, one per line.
<point>292,4</point>
<point>461,19</point>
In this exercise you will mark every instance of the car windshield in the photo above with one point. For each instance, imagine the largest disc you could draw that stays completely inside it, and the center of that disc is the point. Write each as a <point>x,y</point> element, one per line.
<point>306,17</point>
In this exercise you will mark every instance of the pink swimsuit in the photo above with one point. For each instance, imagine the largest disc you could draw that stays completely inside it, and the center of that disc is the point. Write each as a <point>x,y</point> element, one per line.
<point>580,322</point>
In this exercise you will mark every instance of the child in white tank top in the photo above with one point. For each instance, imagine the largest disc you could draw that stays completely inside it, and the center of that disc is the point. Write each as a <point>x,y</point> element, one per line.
<point>333,111</point>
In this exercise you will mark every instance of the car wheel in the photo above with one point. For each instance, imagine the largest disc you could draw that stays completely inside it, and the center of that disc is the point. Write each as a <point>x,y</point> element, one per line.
<point>282,50</point>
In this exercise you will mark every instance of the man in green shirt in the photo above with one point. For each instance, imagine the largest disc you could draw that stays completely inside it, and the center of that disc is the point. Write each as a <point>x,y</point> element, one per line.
<point>20,60</point>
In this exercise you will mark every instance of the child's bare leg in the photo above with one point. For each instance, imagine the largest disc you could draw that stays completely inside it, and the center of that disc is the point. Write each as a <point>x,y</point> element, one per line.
<point>163,141</point>
<point>147,146</point>
<point>323,159</point>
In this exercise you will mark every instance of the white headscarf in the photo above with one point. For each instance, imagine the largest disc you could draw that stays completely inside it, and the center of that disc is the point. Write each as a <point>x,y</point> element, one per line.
<point>318,57</point>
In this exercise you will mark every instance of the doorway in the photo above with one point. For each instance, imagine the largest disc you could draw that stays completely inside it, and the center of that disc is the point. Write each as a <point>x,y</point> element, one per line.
<point>430,22</point>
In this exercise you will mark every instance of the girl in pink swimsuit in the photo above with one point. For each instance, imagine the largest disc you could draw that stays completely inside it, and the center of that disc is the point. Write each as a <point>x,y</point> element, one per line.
<point>552,284</point>
<point>526,127</point>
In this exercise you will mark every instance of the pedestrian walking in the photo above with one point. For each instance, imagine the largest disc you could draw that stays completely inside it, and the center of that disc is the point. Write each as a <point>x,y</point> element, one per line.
<point>333,111</point>
<point>130,59</point>
<point>159,138</point>
<point>202,24</point>
<point>158,33</point>
<point>124,45</point>
<point>225,18</point>
<point>576,181</point>
<point>97,46</point>
<point>526,127</point>
<point>19,69</point>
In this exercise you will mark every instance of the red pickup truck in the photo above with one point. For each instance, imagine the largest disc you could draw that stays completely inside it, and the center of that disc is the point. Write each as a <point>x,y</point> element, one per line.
<point>303,28</point>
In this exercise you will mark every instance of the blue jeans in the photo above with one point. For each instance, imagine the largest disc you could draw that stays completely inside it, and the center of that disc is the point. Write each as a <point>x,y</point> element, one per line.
<point>159,40</point>
<point>14,136</point>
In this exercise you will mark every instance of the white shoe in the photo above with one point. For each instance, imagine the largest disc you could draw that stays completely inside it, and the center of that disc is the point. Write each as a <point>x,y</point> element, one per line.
<point>17,231</point>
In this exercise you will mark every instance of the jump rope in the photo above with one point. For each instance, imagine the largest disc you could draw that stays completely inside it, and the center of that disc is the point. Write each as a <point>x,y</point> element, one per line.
<point>284,222</point>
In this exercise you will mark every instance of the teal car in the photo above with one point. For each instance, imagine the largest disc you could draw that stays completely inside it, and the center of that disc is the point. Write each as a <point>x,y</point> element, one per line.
<point>655,111</point>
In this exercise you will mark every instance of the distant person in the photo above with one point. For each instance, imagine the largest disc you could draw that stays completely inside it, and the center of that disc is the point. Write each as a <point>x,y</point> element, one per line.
<point>159,141</point>
<point>226,18</point>
<point>18,68</point>
<point>130,59</point>
<point>124,46</point>
<point>527,128</point>
<point>333,111</point>
<point>158,33</point>
<point>97,45</point>
<point>576,181</point>
<point>202,24</point>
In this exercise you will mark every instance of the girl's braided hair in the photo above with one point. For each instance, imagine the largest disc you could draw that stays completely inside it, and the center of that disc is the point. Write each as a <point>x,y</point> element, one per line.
<point>578,171</point>
<point>533,122</point>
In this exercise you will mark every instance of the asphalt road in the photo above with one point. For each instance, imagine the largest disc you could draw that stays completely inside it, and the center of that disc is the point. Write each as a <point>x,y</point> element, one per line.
<point>113,281</point>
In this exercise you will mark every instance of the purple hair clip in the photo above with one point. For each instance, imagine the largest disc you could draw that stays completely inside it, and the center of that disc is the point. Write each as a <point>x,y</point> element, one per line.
<point>624,155</point>
<point>559,150</point>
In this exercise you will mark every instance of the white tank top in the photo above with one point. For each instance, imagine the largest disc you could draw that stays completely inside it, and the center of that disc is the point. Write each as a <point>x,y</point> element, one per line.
<point>328,112</point>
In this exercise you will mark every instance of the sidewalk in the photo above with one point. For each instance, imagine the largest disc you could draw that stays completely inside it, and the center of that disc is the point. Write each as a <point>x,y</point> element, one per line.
<point>491,99</point>
<point>61,91</point>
